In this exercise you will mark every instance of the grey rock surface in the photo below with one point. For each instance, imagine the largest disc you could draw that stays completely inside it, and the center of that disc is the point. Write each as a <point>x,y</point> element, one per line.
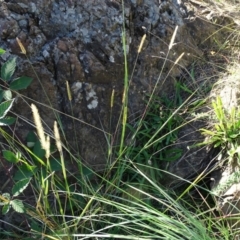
<point>81,42</point>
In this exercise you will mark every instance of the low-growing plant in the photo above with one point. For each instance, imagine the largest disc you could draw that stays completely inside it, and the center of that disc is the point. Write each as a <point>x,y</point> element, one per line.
<point>162,149</point>
<point>8,85</point>
<point>225,134</point>
<point>8,200</point>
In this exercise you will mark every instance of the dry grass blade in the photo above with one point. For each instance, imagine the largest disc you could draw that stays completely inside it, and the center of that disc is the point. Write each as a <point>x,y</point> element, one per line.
<point>142,42</point>
<point>173,38</point>
<point>68,91</point>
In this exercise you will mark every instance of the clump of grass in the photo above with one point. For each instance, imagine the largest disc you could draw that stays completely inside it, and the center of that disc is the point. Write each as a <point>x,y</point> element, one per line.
<point>127,201</point>
<point>225,133</point>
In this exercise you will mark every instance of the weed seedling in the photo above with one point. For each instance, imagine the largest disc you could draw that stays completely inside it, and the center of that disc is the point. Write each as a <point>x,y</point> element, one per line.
<point>8,201</point>
<point>8,85</point>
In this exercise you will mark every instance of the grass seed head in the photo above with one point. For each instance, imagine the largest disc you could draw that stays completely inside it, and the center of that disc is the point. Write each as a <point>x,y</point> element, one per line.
<point>39,127</point>
<point>21,46</point>
<point>57,137</point>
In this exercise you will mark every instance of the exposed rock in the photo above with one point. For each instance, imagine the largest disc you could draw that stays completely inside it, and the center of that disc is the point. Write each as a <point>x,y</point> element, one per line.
<point>80,43</point>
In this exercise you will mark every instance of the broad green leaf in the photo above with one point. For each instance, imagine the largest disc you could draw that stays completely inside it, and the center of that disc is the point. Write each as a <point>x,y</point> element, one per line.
<point>6,208</point>
<point>20,83</point>
<point>8,69</point>
<point>20,186</point>
<point>2,203</point>
<point>234,135</point>
<point>38,151</point>
<point>2,51</point>
<point>7,94</point>
<point>30,144</point>
<point>35,226</point>
<point>5,107</point>
<point>55,165</point>
<point>25,171</point>
<point>7,121</point>
<point>31,138</point>
<point>6,195</point>
<point>10,156</point>
<point>217,144</point>
<point>4,199</point>
<point>17,205</point>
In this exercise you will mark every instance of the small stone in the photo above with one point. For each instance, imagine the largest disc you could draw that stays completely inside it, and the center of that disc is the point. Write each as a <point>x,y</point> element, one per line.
<point>111,59</point>
<point>45,54</point>
<point>23,23</point>
<point>32,7</point>
<point>93,104</point>
<point>62,46</point>
<point>76,87</point>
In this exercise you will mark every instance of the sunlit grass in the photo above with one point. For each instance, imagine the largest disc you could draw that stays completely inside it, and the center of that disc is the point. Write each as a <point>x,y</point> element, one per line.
<point>126,200</point>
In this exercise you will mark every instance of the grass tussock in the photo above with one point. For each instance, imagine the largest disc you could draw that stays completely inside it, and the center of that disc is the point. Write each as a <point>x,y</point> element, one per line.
<point>126,200</point>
